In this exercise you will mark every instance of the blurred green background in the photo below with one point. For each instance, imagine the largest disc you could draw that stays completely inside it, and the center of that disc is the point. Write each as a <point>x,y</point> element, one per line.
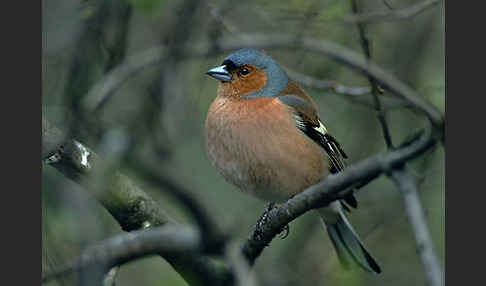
<point>411,49</point>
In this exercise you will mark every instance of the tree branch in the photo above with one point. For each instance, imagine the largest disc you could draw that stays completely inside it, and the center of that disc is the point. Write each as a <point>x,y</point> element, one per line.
<point>300,78</point>
<point>321,194</point>
<point>213,239</point>
<point>136,63</point>
<point>131,207</point>
<point>357,95</point>
<point>52,139</point>
<point>168,240</point>
<point>75,159</point>
<point>110,277</point>
<point>334,187</point>
<point>405,182</point>
<point>407,185</point>
<point>125,201</point>
<point>100,47</point>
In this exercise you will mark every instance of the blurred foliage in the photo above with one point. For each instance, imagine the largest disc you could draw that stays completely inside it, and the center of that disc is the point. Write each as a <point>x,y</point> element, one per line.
<point>147,5</point>
<point>412,49</point>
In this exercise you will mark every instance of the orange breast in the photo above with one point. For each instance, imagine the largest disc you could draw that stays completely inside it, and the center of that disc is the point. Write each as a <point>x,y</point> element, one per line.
<point>255,144</point>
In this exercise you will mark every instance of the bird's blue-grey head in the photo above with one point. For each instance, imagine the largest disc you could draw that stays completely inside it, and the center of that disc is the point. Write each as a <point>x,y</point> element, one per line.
<point>276,77</point>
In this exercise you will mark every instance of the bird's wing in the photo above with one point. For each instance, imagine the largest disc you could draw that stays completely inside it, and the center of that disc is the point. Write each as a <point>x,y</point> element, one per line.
<point>305,115</point>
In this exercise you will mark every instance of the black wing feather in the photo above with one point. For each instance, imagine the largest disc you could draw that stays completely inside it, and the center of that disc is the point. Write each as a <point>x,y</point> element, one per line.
<point>333,149</point>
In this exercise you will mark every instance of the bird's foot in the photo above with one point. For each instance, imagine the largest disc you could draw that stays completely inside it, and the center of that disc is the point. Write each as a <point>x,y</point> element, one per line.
<point>258,233</point>
<point>263,218</point>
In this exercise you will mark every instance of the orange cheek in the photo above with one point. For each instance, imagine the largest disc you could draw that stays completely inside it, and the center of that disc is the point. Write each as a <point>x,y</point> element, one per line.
<point>241,86</point>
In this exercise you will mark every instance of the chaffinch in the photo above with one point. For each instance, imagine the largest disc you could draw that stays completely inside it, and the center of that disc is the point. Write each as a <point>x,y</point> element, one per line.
<point>263,134</point>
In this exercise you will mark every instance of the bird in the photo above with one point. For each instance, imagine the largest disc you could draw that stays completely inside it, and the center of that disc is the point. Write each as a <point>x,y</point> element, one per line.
<point>263,134</point>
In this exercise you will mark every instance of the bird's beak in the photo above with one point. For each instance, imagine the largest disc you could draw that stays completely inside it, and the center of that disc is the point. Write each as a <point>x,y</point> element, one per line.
<point>220,73</point>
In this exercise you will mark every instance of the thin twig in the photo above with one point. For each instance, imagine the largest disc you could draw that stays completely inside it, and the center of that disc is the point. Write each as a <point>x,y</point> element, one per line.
<point>365,45</point>
<point>326,84</point>
<point>388,5</point>
<point>392,15</point>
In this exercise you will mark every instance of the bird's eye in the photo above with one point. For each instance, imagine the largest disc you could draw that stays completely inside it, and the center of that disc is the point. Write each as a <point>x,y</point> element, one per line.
<point>243,72</point>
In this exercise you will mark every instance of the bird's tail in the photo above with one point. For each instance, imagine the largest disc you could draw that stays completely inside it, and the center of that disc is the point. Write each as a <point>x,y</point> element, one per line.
<point>349,247</point>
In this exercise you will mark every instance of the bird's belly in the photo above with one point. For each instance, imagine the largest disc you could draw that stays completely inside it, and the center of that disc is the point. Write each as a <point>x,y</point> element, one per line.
<point>269,158</point>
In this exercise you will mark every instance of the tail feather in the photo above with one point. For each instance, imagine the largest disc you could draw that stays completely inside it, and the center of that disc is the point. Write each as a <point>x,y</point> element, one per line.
<point>349,248</point>
<point>344,256</point>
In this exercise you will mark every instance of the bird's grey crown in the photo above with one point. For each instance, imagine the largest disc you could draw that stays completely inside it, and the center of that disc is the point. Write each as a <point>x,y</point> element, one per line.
<point>276,77</point>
